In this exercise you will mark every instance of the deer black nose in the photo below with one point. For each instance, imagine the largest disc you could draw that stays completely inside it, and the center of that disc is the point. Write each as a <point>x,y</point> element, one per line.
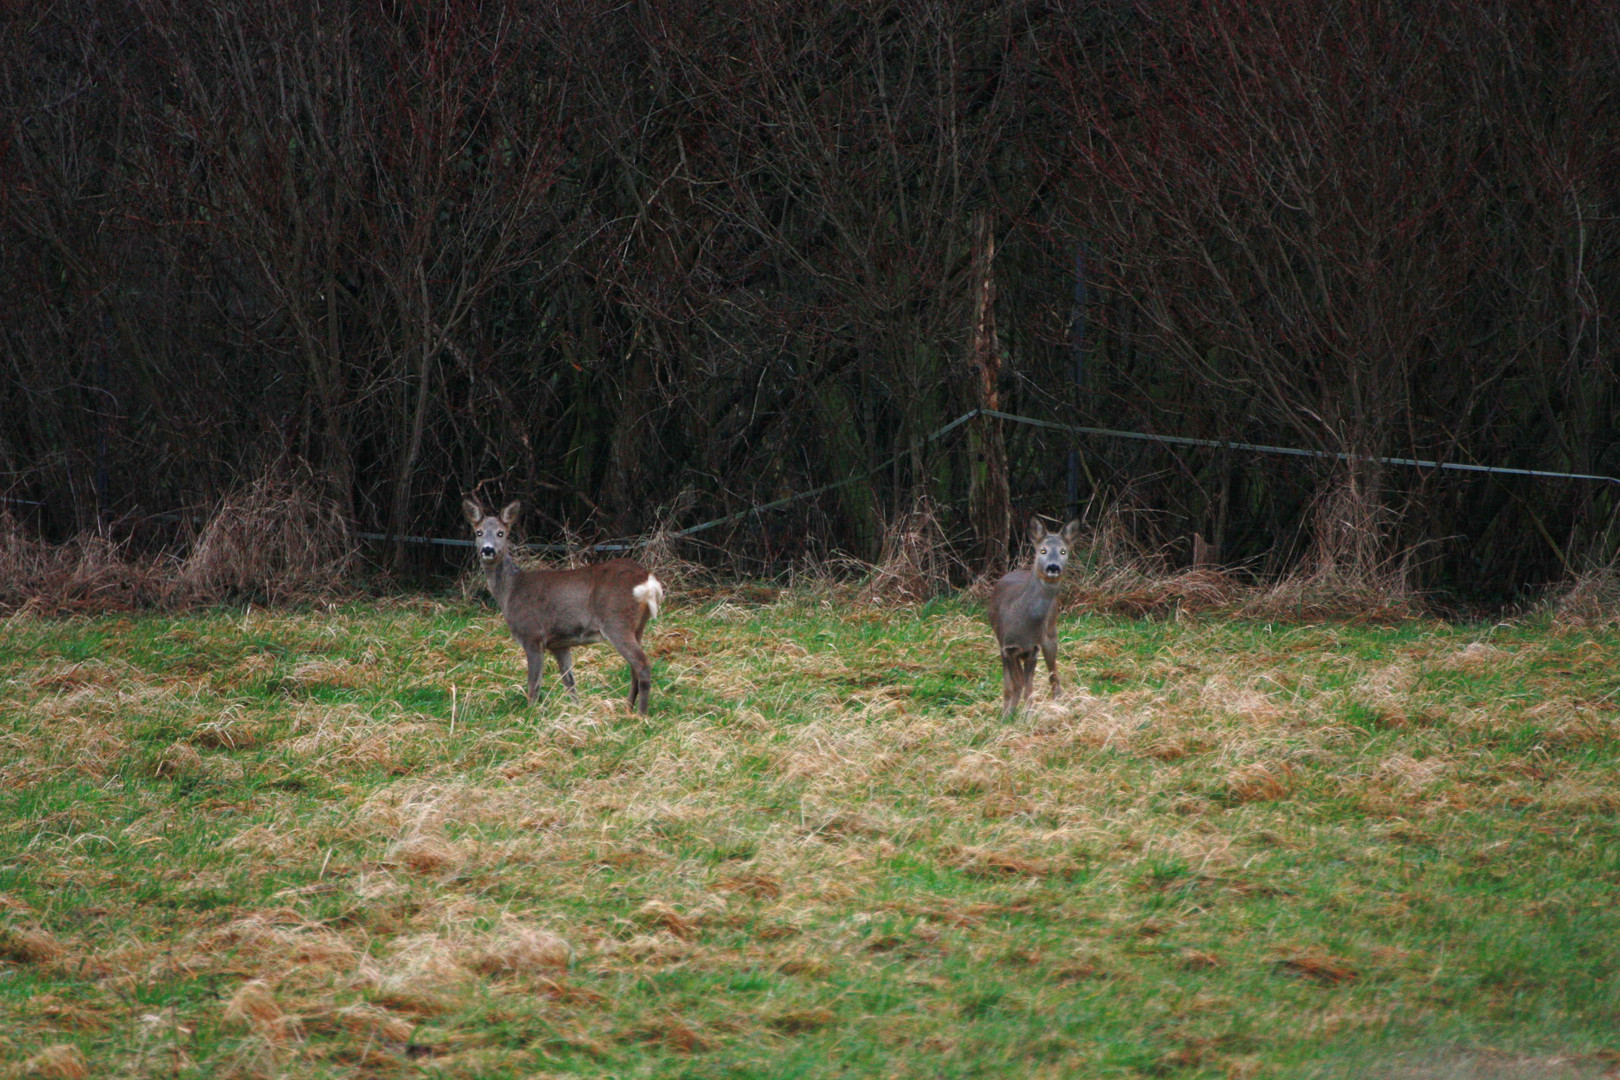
<point>489,551</point>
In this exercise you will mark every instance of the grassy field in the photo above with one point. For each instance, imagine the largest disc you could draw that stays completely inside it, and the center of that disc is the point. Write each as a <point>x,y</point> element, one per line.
<point>337,843</point>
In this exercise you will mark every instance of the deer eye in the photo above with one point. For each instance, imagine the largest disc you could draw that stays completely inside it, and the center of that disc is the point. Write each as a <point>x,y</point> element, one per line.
<point>499,533</point>
<point>1063,551</point>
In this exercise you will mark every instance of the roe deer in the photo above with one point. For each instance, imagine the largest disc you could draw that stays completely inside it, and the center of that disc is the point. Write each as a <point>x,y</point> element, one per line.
<point>1023,613</point>
<point>555,610</point>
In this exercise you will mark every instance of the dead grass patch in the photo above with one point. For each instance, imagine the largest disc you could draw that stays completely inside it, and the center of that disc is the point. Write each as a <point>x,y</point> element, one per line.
<point>277,538</point>
<point>915,563</point>
<point>1589,600</point>
<point>371,1021</point>
<point>29,945</point>
<point>992,862</point>
<point>1317,966</point>
<point>254,1006</point>
<point>521,949</point>
<point>1140,593</point>
<point>1351,569</point>
<point>1260,781</point>
<point>338,736</point>
<point>90,572</point>
<point>60,1061</point>
<point>274,943</point>
<point>429,855</point>
<point>1475,656</point>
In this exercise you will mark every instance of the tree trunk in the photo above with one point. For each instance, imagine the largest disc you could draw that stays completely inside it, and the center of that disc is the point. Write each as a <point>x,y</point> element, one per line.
<point>988,500</point>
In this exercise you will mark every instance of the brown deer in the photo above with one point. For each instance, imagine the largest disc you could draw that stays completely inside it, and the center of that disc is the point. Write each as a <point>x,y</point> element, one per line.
<point>1024,610</point>
<point>555,610</point>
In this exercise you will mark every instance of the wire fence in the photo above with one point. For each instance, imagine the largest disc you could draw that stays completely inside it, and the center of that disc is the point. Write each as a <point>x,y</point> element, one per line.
<point>1076,429</point>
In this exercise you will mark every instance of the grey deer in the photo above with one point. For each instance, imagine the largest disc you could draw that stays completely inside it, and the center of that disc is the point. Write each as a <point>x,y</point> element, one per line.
<point>555,610</point>
<point>1023,613</point>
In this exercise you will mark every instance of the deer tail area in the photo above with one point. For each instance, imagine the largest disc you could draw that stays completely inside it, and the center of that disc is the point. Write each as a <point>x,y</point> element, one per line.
<point>650,593</point>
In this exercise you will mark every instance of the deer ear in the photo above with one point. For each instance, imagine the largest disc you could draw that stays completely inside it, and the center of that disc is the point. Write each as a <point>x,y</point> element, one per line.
<point>509,515</point>
<point>1071,531</point>
<point>474,512</point>
<point>1037,529</point>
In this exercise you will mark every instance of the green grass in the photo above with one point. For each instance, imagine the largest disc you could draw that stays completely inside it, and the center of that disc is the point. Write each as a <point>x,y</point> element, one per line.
<point>338,842</point>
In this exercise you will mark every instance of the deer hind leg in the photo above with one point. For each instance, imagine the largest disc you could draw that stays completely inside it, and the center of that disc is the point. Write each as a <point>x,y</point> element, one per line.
<point>1049,652</point>
<point>640,670</point>
<point>565,665</point>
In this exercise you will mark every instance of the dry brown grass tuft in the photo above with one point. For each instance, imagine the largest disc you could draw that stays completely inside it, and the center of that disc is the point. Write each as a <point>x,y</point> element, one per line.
<point>521,949</point>
<point>277,538</point>
<point>87,573</point>
<point>999,862</point>
<point>61,1061</point>
<point>179,759</point>
<point>1139,594</point>
<point>374,1022</point>
<point>277,942</point>
<point>29,945</point>
<point>254,1006</point>
<point>1591,599</point>
<point>1351,571</point>
<point>915,563</point>
<point>429,855</point>
<point>1475,656</point>
<point>661,554</point>
<point>1317,966</point>
<point>1261,781</point>
<point>673,1033</point>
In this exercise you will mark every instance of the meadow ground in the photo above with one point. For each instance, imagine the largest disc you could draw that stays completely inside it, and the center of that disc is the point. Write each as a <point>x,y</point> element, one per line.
<point>337,843</point>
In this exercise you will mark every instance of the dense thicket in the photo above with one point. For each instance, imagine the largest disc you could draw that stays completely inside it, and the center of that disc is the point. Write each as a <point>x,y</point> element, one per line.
<point>655,262</point>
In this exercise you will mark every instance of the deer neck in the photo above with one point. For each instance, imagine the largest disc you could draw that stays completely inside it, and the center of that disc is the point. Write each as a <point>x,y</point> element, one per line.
<point>1040,594</point>
<point>500,577</point>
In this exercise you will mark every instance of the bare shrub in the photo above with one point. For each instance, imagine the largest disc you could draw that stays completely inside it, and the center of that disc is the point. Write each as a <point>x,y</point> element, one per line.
<point>915,562</point>
<point>275,539</point>
<point>1351,569</point>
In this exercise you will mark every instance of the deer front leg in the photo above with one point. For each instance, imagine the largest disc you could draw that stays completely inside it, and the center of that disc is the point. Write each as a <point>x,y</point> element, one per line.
<point>537,668</point>
<point>1012,681</point>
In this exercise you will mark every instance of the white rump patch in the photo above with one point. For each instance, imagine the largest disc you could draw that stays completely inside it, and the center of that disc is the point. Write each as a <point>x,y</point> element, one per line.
<point>649,592</point>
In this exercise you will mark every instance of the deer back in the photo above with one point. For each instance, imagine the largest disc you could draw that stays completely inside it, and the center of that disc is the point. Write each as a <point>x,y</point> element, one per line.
<point>577,606</point>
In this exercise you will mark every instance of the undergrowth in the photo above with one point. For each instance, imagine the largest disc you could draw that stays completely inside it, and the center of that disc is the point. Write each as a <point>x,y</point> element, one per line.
<point>332,842</point>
